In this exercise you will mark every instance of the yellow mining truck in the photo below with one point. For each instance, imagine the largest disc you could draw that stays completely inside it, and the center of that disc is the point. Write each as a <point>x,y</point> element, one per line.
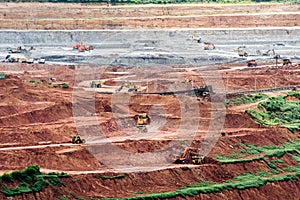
<point>142,120</point>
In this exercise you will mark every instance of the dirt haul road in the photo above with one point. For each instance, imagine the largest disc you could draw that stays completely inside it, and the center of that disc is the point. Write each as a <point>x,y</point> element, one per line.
<point>49,118</point>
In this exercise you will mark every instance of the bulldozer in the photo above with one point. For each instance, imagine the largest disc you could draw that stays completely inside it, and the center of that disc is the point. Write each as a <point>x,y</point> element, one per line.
<point>77,45</point>
<point>142,120</point>
<point>189,156</point>
<point>76,139</point>
<point>286,61</point>
<point>209,46</point>
<point>82,47</point>
<point>242,53</point>
<point>131,86</point>
<point>196,38</point>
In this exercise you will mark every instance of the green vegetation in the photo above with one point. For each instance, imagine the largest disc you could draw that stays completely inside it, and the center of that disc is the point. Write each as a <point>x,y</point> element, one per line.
<point>29,180</point>
<point>291,148</point>
<point>43,82</point>
<point>112,177</point>
<point>184,168</point>
<point>246,99</point>
<point>63,85</point>
<point>2,76</point>
<point>252,152</point>
<point>279,111</point>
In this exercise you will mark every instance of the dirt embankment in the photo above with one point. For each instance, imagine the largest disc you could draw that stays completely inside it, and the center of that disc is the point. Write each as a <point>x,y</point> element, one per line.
<point>97,186</point>
<point>266,77</point>
<point>76,16</point>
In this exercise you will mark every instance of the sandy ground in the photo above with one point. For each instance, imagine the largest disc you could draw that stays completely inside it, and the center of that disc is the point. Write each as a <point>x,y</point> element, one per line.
<point>80,16</point>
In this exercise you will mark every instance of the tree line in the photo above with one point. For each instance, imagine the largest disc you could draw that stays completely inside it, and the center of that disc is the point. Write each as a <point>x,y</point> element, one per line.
<point>119,2</point>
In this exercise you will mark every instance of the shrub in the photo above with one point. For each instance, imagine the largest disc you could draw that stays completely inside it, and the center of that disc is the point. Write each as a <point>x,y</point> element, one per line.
<point>184,168</point>
<point>246,99</point>
<point>64,85</point>
<point>278,111</point>
<point>31,180</point>
<point>113,177</point>
<point>6,178</point>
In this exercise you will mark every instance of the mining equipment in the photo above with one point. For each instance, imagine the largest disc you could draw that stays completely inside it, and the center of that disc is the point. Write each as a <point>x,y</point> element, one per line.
<point>82,47</point>
<point>286,61</point>
<point>190,155</point>
<point>209,46</point>
<point>142,120</point>
<point>251,63</point>
<point>96,84</point>
<point>196,38</point>
<point>76,139</point>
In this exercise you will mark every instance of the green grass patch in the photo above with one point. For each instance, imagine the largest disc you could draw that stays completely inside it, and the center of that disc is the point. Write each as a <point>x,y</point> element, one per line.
<point>63,85</point>
<point>277,161</point>
<point>244,160</point>
<point>112,177</point>
<point>184,168</point>
<point>246,99</point>
<point>259,152</point>
<point>279,111</point>
<point>30,180</point>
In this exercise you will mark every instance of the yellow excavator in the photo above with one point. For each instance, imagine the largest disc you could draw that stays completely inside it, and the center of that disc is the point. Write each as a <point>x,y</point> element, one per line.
<point>142,120</point>
<point>76,139</point>
<point>96,84</point>
<point>189,156</point>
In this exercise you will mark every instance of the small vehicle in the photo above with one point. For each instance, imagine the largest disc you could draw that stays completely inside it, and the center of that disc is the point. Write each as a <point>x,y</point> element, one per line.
<point>209,46</point>
<point>196,38</point>
<point>82,47</point>
<point>243,53</point>
<point>77,45</point>
<point>41,61</point>
<point>286,61</point>
<point>251,63</point>
<point>76,139</point>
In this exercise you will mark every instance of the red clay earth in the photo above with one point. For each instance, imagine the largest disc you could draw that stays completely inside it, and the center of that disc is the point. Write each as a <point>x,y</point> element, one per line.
<point>38,114</point>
